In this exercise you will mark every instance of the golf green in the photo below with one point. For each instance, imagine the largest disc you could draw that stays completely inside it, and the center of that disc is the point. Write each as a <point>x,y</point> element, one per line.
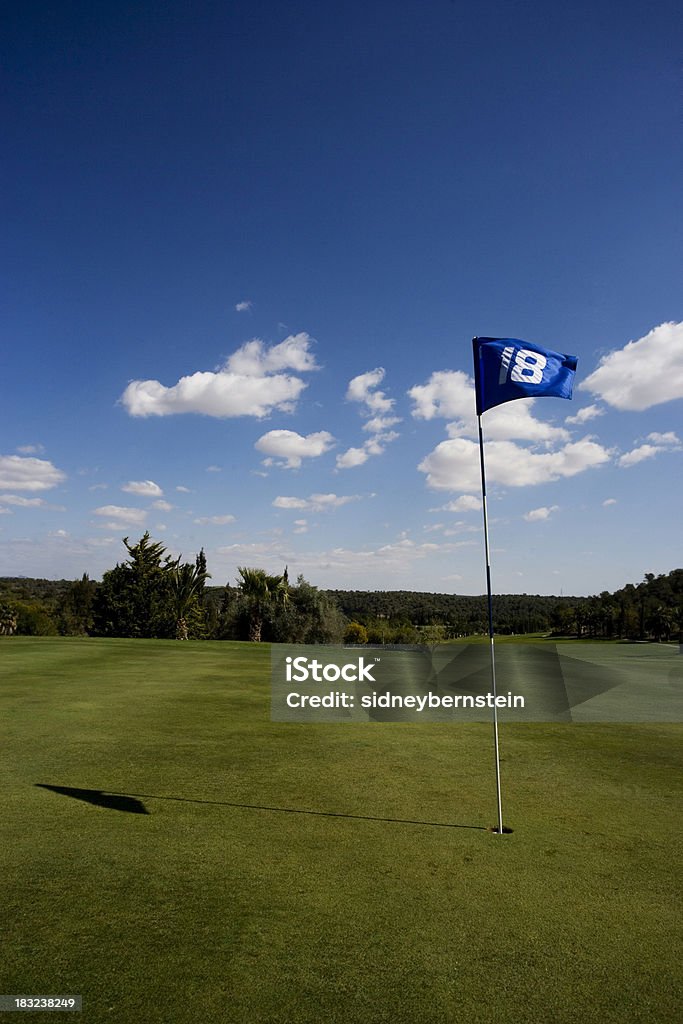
<point>172,855</point>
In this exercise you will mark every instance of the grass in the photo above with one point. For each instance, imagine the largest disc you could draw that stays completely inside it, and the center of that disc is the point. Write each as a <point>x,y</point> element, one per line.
<point>290,873</point>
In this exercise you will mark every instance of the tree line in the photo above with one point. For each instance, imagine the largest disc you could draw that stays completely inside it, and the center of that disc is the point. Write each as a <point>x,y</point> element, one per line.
<point>152,595</point>
<point>650,610</point>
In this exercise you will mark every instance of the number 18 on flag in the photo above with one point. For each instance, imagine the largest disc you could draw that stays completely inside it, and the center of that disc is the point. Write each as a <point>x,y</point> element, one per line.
<point>507,368</point>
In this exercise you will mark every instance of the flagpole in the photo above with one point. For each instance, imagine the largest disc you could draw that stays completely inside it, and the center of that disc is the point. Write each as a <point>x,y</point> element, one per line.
<point>506,369</point>
<point>490,616</point>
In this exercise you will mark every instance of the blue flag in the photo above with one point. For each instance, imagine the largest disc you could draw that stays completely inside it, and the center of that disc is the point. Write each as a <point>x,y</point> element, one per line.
<point>507,368</point>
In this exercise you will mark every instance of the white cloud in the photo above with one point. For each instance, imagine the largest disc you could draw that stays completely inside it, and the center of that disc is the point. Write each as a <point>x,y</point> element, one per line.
<point>609,501</point>
<point>666,442</point>
<point>399,555</point>
<point>644,451</point>
<point>214,469</point>
<point>252,383</point>
<point>290,503</point>
<point>536,515</point>
<point>243,552</point>
<point>122,515</point>
<point>447,393</point>
<point>31,449</point>
<point>380,423</point>
<point>515,421</point>
<point>293,447</point>
<point>28,474</point>
<point>669,438</point>
<point>376,445</point>
<point>253,359</point>
<point>214,520</point>
<point>454,464</point>
<point>373,446</point>
<point>315,502</point>
<point>183,490</point>
<point>643,373</point>
<point>363,389</point>
<point>164,506</point>
<point>453,530</point>
<point>589,412</point>
<point>14,499</point>
<point>5,511</point>
<point>244,306</point>
<point>465,503</point>
<point>450,393</point>
<point>352,457</point>
<point>147,488</point>
<point>357,566</point>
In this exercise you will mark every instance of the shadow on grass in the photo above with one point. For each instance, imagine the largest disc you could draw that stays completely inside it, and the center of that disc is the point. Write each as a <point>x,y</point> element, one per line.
<point>112,801</point>
<point>132,802</point>
<point>321,814</point>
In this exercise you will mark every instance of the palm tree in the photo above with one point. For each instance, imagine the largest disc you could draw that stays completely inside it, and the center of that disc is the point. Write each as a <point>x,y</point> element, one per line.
<point>260,591</point>
<point>187,583</point>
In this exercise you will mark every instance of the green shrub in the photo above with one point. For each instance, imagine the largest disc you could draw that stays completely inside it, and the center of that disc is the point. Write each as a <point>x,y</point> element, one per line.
<point>355,633</point>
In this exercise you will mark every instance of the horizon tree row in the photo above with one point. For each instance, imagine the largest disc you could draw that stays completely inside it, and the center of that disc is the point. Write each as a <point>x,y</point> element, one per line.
<point>152,595</point>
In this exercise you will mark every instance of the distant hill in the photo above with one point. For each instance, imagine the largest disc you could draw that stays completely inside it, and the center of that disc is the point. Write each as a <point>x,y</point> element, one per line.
<point>513,612</point>
<point>25,588</point>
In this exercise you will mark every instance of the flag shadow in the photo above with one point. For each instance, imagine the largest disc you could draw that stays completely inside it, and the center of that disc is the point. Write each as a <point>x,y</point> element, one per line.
<point>322,814</point>
<point>132,802</point>
<point>112,801</point>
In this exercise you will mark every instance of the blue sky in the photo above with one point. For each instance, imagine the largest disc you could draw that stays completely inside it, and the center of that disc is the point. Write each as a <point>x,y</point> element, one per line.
<point>246,248</point>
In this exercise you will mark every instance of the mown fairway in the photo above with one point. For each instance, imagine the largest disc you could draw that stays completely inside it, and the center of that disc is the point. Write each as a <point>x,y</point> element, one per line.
<point>301,873</point>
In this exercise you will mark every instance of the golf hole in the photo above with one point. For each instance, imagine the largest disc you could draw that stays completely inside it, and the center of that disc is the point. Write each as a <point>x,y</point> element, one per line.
<point>506,830</point>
